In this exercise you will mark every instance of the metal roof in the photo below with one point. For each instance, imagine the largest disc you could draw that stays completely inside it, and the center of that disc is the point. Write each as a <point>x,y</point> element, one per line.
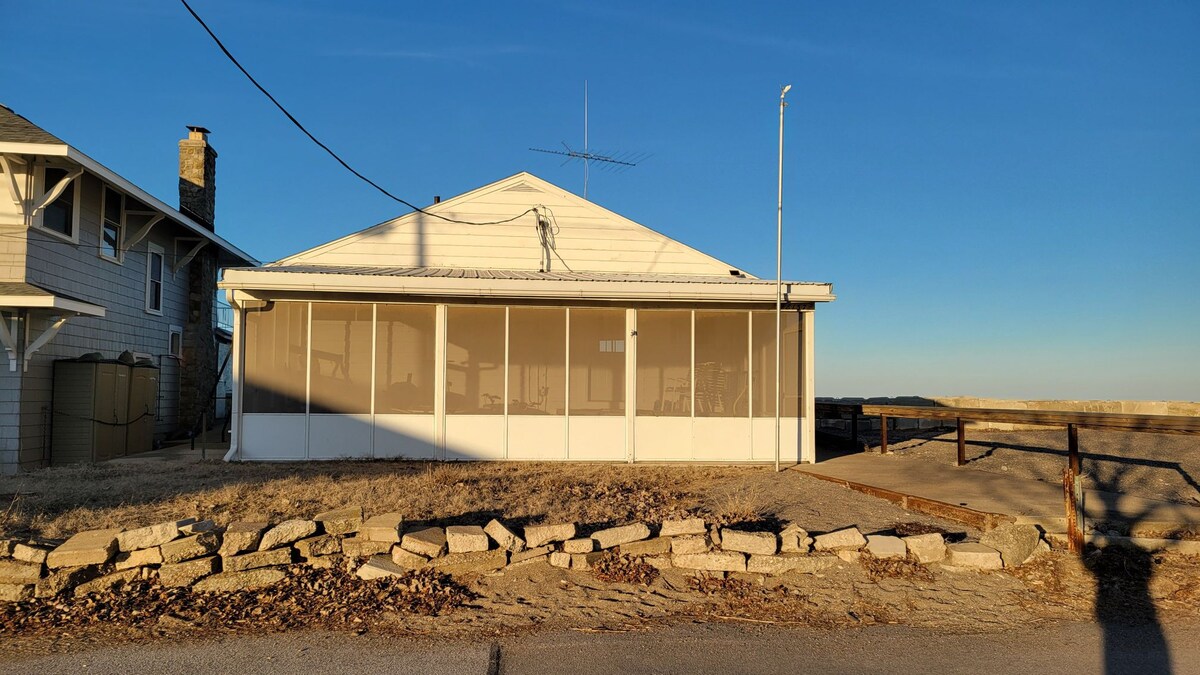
<point>519,275</point>
<point>16,129</point>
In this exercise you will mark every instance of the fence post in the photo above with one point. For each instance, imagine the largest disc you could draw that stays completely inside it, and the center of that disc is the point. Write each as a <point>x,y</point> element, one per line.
<point>1073,501</point>
<point>962,442</point>
<point>1073,448</point>
<point>883,434</point>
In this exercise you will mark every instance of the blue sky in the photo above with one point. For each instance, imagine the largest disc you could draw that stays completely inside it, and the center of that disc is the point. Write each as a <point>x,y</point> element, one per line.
<point>1006,196</point>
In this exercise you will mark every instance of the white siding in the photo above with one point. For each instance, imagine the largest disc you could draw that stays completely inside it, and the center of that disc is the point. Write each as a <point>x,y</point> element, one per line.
<point>589,238</point>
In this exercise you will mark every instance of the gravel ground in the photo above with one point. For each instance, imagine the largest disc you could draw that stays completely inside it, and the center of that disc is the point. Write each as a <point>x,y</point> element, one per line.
<point>1158,466</point>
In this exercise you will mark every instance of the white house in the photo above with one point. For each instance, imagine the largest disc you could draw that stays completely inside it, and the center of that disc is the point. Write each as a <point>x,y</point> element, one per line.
<point>562,332</point>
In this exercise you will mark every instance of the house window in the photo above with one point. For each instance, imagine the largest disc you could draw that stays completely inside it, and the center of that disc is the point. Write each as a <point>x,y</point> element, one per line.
<point>59,215</point>
<point>154,279</point>
<point>110,229</point>
<point>175,342</point>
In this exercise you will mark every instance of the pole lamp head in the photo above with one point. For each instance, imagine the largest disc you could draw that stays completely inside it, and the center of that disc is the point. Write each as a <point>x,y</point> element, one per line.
<point>786,89</point>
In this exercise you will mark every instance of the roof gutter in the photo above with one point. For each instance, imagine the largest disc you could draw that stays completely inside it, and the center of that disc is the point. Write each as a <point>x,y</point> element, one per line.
<point>264,280</point>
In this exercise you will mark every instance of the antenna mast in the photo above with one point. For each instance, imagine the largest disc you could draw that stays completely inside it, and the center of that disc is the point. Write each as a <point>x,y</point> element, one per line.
<point>618,162</point>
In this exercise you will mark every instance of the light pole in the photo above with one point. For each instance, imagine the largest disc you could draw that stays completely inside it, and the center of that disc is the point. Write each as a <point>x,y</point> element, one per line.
<point>779,281</point>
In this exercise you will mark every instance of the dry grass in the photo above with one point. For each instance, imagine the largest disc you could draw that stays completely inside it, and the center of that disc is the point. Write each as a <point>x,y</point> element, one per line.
<point>60,501</point>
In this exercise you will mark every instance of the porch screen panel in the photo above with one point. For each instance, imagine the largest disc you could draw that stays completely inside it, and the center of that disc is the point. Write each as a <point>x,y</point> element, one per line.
<point>664,363</point>
<point>276,359</point>
<point>597,362</point>
<point>341,358</point>
<point>475,360</point>
<point>722,364</point>
<point>763,363</point>
<point>405,340</point>
<point>537,361</point>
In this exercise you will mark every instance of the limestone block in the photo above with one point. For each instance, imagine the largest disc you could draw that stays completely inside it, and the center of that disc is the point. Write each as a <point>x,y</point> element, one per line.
<point>346,520</point>
<point>16,592</point>
<point>17,572</point>
<point>584,561</point>
<point>66,578</point>
<point>242,535</point>
<point>149,536</point>
<point>527,561</point>
<point>383,527</point>
<point>849,539</point>
<point>926,548</point>
<point>429,542</point>
<point>689,544</point>
<point>407,559</point>
<point>973,556</point>
<point>138,558</point>
<point>679,528</point>
<point>537,535</point>
<point>658,562</point>
<point>789,562</point>
<point>380,567</point>
<point>195,546</point>
<point>529,554</point>
<point>287,532</point>
<point>325,562</point>
<point>560,559</point>
<point>713,561</point>
<point>758,543</point>
<point>30,552</point>
<point>579,546</point>
<point>616,536</point>
<point>467,563</point>
<point>848,555</point>
<point>93,547</point>
<point>466,539</point>
<point>886,547</point>
<point>357,547</point>
<point>1015,542</point>
<point>108,582</point>
<point>655,546</point>
<point>504,537</point>
<point>322,544</point>
<point>240,581</point>
<point>248,561</point>
<point>187,573</point>
<point>794,539</point>
<point>192,526</point>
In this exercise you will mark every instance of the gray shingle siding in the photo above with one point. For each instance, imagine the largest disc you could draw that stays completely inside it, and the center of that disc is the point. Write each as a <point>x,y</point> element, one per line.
<point>80,272</point>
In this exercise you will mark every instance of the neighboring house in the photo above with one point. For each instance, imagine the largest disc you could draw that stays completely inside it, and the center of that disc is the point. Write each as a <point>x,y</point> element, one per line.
<point>89,262</point>
<point>566,332</point>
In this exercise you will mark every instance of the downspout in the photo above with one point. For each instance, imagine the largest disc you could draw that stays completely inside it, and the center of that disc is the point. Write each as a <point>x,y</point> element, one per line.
<point>238,356</point>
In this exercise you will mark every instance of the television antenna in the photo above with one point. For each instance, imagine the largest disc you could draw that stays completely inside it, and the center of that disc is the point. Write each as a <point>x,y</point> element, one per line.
<point>606,161</point>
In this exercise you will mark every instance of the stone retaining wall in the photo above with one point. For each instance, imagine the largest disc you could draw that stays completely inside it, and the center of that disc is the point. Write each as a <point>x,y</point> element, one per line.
<point>1186,408</point>
<point>249,555</point>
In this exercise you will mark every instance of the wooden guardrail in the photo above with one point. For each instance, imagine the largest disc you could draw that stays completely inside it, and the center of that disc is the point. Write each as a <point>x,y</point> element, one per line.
<point>1073,421</point>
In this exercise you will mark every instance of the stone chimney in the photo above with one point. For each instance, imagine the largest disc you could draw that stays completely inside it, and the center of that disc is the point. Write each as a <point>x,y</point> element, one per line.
<point>198,177</point>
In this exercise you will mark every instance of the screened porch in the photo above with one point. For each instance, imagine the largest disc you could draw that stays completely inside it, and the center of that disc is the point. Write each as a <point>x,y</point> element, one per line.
<point>326,380</point>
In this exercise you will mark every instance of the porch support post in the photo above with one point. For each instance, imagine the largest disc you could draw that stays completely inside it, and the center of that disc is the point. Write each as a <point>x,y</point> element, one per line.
<point>808,407</point>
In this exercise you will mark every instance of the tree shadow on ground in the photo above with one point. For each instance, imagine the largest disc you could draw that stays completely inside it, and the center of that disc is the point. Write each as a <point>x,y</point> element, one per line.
<point>1124,603</point>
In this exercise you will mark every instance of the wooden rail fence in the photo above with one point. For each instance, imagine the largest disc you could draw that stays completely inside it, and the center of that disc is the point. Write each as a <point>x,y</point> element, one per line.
<point>1073,421</point>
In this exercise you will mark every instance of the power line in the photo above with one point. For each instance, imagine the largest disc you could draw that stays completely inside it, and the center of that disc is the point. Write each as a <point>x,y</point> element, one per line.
<point>324,147</point>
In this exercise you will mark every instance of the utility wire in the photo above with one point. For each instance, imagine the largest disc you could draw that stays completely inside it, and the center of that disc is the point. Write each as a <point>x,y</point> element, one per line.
<point>324,147</point>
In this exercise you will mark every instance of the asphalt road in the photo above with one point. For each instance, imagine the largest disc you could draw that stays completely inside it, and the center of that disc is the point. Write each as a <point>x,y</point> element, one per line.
<point>716,648</point>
